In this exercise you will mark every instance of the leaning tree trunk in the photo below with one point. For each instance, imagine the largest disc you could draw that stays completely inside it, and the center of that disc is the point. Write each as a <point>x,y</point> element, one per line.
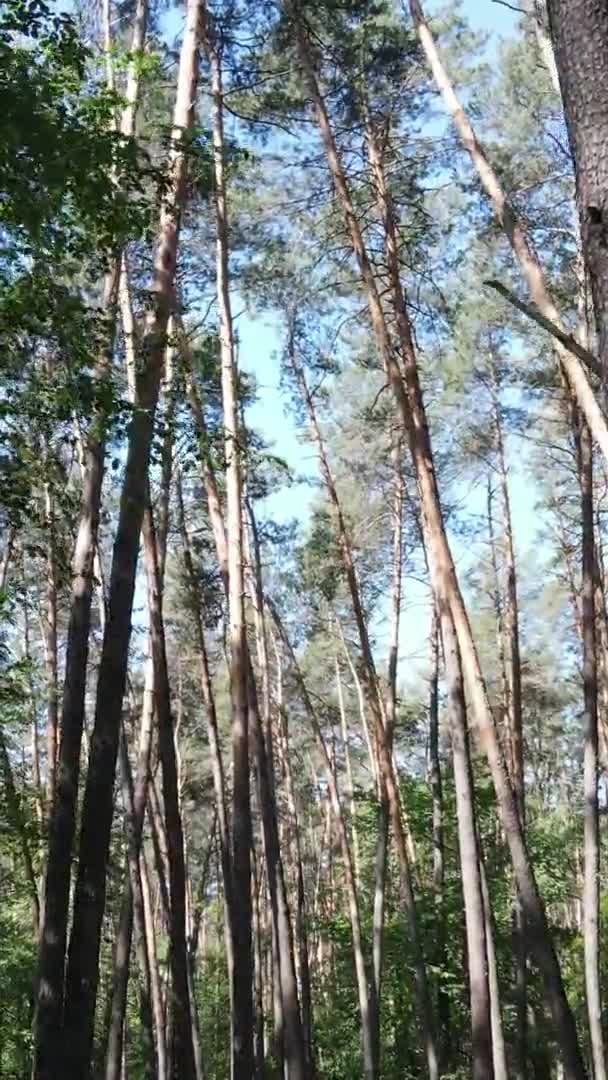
<point>89,903</point>
<point>404,380</point>
<point>242,973</point>
<point>579,29</point>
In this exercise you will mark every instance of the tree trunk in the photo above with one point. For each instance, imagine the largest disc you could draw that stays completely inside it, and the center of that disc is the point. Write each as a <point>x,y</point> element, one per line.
<point>134,802</point>
<point>52,943</point>
<point>470,856</point>
<point>50,646</point>
<point>380,859</point>
<point>443,1005</point>
<point>579,29</point>
<point>132,911</point>
<point>498,1040</point>
<point>18,823</point>
<point>242,974</point>
<point>301,914</point>
<point>403,378</point>
<point>182,1050</point>
<point>293,1035</point>
<point>591,893</point>
<point>155,982</point>
<point>81,983</point>
<point>349,777</point>
<point>513,704</point>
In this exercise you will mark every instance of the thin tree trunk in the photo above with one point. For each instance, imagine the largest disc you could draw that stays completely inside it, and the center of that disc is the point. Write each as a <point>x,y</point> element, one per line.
<point>443,1006</point>
<point>293,1038</point>
<point>259,1042</point>
<point>301,915</point>
<point>513,702</point>
<point>349,778</point>
<point>82,971</point>
<point>155,982</point>
<point>19,825</point>
<point>36,774</point>
<point>293,1041</point>
<point>242,974</point>
<point>591,888</point>
<point>50,646</point>
<point>380,859</point>
<point>182,1050</point>
<point>470,857</point>
<point>132,911</point>
<point>498,1040</point>
<point>404,381</point>
<point>217,766</point>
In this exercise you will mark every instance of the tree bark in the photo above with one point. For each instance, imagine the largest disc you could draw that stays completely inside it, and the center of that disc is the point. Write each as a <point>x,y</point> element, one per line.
<point>470,857</point>
<point>134,802</point>
<point>579,29</point>
<point>182,1055</point>
<point>380,858</point>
